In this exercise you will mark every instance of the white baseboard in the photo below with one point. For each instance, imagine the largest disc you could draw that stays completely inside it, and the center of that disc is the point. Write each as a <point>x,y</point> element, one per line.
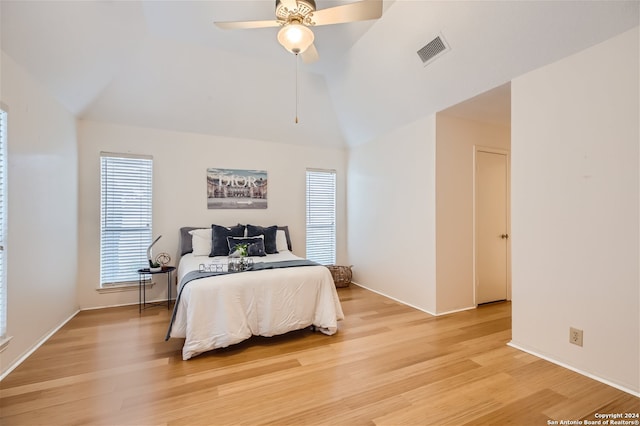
<point>576,370</point>
<point>28,353</point>
<point>393,298</point>
<point>456,310</point>
<point>410,305</point>
<point>124,304</point>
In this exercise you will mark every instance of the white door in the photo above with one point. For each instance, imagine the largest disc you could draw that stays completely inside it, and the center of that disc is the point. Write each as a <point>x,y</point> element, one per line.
<point>491,227</point>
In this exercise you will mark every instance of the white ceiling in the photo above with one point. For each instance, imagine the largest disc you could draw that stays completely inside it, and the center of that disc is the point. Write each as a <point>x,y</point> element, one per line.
<point>163,64</point>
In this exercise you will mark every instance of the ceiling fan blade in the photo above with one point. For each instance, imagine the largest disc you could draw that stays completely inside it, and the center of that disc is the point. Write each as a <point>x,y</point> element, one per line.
<point>240,25</point>
<point>359,11</point>
<point>310,55</point>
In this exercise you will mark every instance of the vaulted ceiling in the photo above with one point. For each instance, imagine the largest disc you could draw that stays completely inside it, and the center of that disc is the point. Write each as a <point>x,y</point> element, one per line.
<point>163,64</point>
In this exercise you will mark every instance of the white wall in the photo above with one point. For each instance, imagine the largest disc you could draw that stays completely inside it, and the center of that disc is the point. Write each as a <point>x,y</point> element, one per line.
<point>456,138</point>
<point>391,215</point>
<point>411,211</point>
<point>180,164</point>
<point>575,196</point>
<point>42,249</point>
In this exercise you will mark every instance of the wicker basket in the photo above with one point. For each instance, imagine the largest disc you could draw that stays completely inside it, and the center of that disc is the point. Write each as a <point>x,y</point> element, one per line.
<point>341,275</point>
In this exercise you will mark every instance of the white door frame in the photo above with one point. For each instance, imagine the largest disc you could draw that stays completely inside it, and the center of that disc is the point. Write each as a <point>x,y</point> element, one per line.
<point>476,149</point>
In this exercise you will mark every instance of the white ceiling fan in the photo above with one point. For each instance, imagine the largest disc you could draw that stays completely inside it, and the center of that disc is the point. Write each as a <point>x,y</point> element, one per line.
<point>296,16</point>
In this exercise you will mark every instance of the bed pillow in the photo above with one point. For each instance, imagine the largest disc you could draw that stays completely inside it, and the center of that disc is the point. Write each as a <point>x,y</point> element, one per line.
<point>201,241</point>
<point>269,236</point>
<point>255,245</point>
<point>281,240</point>
<point>219,234</point>
<point>185,242</point>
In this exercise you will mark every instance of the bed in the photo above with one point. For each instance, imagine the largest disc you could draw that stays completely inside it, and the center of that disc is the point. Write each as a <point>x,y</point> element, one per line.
<point>280,293</point>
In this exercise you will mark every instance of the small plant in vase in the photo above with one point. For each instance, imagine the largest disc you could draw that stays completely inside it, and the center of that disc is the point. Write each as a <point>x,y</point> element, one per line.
<point>154,266</point>
<point>238,260</point>
<point>240,250</point>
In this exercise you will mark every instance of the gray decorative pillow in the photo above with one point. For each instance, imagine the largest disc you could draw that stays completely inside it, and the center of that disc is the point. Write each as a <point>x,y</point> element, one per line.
<point>186,239</point>
<point>285,229</point>
<point>269,236</point>
<point>219,234</point>
<point>255,245</point>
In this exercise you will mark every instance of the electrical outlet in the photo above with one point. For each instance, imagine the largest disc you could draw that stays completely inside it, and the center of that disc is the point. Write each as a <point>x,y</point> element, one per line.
<point>575,336</point>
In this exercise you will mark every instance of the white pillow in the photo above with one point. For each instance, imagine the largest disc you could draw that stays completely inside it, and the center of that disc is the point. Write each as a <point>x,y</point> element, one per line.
<point>281,241</point>
<point>201,241</point>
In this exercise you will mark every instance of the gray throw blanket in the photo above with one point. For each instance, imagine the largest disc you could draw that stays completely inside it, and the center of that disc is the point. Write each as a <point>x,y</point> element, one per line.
<point>258,266</point>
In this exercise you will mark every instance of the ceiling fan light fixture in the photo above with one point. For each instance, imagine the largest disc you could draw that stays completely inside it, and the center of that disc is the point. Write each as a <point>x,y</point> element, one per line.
<point>295,37</point>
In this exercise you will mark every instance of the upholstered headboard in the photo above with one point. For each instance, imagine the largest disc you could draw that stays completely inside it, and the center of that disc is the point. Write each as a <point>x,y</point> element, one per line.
<point>185,245</point>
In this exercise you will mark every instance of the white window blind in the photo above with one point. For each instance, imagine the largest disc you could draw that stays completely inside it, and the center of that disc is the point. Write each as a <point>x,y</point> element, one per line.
<point>125,218</point>
<point>3,224</point>
<point>321,216</point>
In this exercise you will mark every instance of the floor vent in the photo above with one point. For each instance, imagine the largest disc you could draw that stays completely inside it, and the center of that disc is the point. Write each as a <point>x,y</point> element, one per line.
<point>432,50</point>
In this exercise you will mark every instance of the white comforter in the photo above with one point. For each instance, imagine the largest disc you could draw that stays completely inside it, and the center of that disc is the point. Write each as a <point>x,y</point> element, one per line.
<point>219,311</point>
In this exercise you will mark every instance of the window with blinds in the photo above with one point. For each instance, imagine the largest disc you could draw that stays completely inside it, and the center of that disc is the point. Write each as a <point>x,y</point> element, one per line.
<point>125,216</point>
<point>3,224</point>
<point>321,216</point>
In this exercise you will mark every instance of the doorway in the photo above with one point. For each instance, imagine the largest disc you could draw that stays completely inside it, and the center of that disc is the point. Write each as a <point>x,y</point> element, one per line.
<point>491,225</point>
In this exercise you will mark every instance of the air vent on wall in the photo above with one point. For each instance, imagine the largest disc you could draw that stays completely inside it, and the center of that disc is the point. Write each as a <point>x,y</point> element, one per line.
<point>432,50</point>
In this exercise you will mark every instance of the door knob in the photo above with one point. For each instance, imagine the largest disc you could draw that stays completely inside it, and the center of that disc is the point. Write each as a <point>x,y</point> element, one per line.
<point>504,236</point>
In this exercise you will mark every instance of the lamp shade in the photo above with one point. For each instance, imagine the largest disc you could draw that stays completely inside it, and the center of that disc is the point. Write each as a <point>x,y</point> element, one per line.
<point>295,37</point>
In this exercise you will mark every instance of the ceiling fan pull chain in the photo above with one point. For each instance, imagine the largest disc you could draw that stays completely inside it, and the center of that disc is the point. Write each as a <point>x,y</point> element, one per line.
<point>297,88</point>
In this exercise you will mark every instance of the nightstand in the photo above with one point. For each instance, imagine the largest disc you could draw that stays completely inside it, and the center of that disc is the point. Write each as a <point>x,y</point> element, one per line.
<point>142,289</point>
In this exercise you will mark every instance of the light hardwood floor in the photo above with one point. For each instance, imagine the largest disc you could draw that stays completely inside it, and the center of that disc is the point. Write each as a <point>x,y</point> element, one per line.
<point>388,365</point>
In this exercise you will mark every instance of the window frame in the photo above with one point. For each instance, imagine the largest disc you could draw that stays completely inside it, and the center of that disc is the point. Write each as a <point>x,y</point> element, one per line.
<point>321,224</point>
<point>129,241</point>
